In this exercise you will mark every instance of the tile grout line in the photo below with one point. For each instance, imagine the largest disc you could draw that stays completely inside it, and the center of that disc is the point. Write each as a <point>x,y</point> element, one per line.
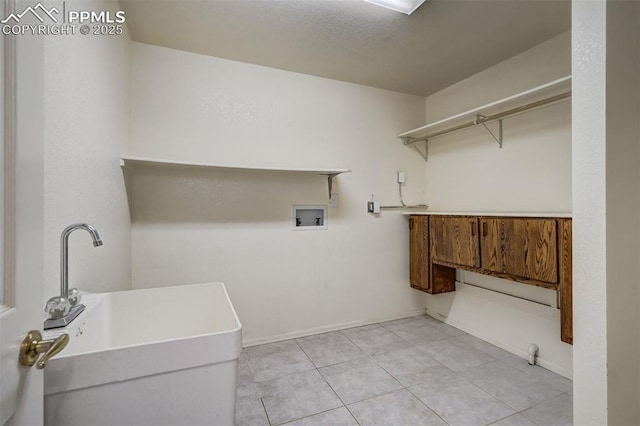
<point>521,412</point>
<point>326,381</point>
<point>311,415</point>
<point>352,415</point>
<point>487,392</point>
<point>264,408</point>
<point>331,387</point>
<point>407,388</point>
<point>305,354</point>
<point>342,362</point>
<point>336,393</point>
<point>317,367</point>
<point>518,411</point>
<point>426,405</point>
<point>381,352</point>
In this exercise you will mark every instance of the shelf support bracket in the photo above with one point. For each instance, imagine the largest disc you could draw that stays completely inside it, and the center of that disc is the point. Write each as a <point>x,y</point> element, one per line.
<point>330,177</point>
<point>411,141</point>
<point>481,119</point>
<point>425,155</point>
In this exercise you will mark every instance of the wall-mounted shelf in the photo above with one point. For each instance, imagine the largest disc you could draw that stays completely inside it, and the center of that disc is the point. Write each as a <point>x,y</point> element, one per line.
<point>126,161</point>
<point>546,94</point>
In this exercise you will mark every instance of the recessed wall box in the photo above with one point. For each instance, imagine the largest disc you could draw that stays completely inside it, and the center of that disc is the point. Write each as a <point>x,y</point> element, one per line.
<point>309,218</point>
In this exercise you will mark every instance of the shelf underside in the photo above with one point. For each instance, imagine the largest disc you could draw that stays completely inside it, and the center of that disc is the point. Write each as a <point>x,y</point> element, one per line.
<point>134,161</point>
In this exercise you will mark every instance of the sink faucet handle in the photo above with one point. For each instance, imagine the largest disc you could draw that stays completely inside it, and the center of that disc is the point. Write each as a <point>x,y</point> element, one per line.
<point>74,296</point>
<point>57,307</point>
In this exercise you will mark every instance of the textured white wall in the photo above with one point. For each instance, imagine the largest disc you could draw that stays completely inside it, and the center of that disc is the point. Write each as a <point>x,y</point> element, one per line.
<point>606,62</point>
<point>86,130</point>
<point>467,171</point>
<point>589,198</point>
<point>235,226</point>
<point>532,172</point>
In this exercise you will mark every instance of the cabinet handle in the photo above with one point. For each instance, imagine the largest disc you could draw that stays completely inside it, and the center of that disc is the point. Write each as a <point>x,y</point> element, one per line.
<point>411,223</point>
<point>485,232</point>
<point>473,229</point>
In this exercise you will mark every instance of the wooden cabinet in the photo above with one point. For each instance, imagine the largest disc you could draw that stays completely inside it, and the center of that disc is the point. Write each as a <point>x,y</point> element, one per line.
<point>454,239</point>
<point>535,251</point>
<point>565,286</point>
<point>423,275</point>
<point>419,264</point>
<point>523,247</point>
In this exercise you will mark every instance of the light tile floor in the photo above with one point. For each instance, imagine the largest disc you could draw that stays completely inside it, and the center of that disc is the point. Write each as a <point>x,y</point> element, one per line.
<point>413,371</point>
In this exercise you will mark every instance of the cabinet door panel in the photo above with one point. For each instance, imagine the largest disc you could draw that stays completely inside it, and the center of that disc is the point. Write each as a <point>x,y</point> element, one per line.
<point>522,247</point>
<point>565,286</point>
<point>455,240</point>
<point>419,252</point>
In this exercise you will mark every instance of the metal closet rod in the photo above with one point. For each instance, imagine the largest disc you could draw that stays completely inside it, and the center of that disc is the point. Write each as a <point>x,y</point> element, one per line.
<point>481,119</point>
<point>415,206</point>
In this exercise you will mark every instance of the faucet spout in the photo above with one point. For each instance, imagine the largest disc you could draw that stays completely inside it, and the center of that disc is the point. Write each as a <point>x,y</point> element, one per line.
<point>64,252</point>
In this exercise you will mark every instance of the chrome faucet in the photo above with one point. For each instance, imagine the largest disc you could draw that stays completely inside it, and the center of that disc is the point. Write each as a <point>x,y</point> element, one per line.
<point>63,309</point>
<point>64,252</point>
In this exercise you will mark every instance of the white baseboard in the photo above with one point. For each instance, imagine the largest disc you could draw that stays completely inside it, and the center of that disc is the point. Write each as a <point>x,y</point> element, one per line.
<point>325,329</point>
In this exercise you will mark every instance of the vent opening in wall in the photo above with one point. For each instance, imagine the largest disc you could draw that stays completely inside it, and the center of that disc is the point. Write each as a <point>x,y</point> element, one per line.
<point>309,217</point>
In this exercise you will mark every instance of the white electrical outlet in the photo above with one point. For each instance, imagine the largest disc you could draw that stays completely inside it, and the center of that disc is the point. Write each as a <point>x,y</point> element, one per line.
<point>333,202</point>
<point>401,177</point>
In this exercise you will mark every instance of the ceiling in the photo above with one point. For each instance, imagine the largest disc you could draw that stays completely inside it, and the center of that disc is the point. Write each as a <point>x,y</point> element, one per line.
<point>441,43</point>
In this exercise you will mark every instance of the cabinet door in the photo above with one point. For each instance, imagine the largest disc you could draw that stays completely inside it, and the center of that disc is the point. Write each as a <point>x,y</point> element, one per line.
<point>419,252</point>
<point>565,286</point>
<point>523,247</point>
<point>454,240</point>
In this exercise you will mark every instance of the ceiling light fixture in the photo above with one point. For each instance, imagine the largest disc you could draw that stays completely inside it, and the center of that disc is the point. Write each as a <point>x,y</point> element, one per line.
<point>404,6</point>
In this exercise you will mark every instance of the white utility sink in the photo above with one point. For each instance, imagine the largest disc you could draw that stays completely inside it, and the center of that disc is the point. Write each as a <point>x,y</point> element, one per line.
<point>147,357</point>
